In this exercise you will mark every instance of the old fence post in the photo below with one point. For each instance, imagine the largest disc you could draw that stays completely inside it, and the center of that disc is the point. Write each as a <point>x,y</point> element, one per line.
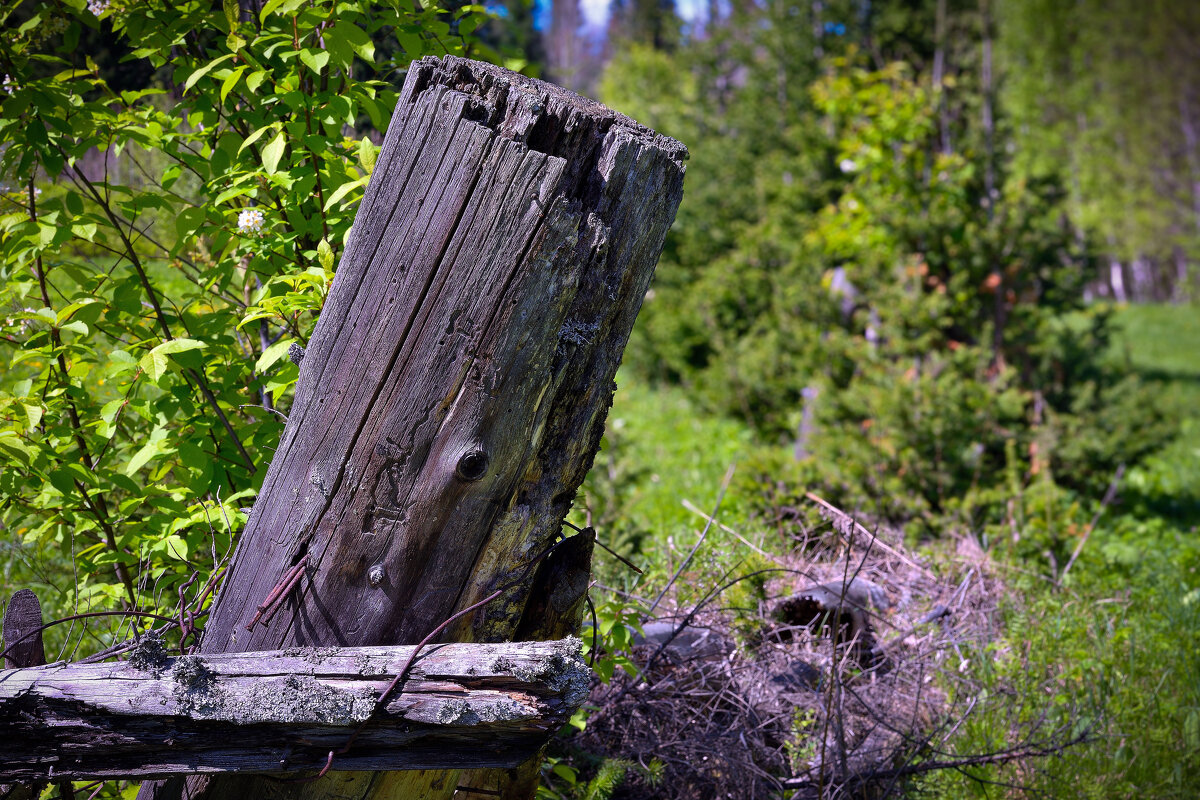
<point>454,392</point>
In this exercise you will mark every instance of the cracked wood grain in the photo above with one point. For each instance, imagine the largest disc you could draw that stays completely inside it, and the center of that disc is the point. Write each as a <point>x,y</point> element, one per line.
<point>282,711</point>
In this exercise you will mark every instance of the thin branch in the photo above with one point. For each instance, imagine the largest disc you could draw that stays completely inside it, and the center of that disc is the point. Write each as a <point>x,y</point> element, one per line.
<point>1104,503</point>
<point>708,526</point>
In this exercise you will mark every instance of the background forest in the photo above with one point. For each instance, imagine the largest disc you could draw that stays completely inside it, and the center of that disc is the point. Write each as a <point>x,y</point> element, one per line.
<point>936,263</point>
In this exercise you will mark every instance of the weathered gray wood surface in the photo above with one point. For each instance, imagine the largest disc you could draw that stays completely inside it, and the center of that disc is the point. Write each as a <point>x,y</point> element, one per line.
<point>454,393</point>
<point>284,710</point>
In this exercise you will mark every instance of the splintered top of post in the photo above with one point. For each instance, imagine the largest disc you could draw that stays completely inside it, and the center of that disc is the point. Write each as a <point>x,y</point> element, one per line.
<point>545,117</point>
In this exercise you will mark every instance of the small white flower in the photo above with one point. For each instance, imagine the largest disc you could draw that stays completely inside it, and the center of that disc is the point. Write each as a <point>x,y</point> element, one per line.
<point>847,165</point>
<point>98,7</point>
<point>250,220</point>
<point>8,84</point>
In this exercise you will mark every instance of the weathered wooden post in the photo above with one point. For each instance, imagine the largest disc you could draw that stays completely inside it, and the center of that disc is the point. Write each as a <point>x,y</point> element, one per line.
<point>454,392</point>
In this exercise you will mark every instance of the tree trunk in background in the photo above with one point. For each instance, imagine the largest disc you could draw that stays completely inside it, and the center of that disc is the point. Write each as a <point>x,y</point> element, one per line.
<point>454,392</point>
<point>564,45</point>
<point>987,102</point>
<point>939,76</point>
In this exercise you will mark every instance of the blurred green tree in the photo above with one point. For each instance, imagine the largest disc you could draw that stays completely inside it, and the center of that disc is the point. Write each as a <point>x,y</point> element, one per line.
<point>853,242</point>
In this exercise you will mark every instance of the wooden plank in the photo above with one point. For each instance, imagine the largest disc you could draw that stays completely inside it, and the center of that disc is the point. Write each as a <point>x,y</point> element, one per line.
<point>454,392</point>
<point>283,711</point>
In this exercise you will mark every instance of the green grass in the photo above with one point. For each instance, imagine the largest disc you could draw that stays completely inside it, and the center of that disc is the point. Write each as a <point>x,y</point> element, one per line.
<point>1116,651</point>
<point>1162,339</point>
<point>1162,343</point>
<point>657,452</point>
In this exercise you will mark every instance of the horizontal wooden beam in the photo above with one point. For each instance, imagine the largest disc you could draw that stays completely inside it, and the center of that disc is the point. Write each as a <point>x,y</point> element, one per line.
<point>460,705</point>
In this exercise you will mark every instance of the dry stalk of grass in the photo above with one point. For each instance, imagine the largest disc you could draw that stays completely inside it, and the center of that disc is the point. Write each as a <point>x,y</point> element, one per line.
<point>769,705</point>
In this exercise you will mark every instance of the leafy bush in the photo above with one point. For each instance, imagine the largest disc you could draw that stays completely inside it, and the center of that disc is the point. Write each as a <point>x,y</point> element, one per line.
<point>162,248</point>
<point>912,318</point>
<point>1115,657</point>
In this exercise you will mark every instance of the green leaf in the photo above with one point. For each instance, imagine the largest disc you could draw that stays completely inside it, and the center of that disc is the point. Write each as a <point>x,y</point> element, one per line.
<point>81,473</point>
<point>283,379</point>
<point>46,234</point>
<point>280,7</point>
<point>178,346</point>
<point>273,152</point>
<point>71,74</point>
<point>314,59</point>
<point>272,354</point>
<point>74,203</point>
<point>109,411</point>
<point>357,38</point>
<point>325,255</point>
<point>65,313</point>
<point>61,479</point>
<point>154,364</point>
<point>344,190</point>
<point>14,448</point>
<point>147,452</point>
<point>207,68</point>
<point>1191,730</point>
<point>33,415</point>
<point>187,221</point>
<point>412,43</point>
<point>258,134</point>
<point>367,153</point>
<point>84,230</point>
<point>229,194</point>
<point>255,79</point>
<point>231,81</point>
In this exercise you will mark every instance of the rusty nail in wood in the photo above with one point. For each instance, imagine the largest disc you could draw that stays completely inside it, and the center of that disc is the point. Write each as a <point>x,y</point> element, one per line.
<point>277,594</point>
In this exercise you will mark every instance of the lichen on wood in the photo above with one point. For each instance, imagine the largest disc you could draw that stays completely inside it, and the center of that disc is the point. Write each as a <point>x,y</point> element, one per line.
<point>248,712</point>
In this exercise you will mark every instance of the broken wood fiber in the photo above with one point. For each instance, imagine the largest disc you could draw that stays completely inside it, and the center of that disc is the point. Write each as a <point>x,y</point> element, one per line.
<point>454,392</point>
<point>283,710</point>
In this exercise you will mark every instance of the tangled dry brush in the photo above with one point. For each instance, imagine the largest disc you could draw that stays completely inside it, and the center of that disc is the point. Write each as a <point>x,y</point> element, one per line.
<point>829,688</point>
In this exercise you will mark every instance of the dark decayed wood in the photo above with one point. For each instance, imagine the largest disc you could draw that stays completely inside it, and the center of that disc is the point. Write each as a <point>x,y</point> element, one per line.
<point>23,616</point>
<point>454,392</point>
<point>283,710</point>
<point>557,600</point>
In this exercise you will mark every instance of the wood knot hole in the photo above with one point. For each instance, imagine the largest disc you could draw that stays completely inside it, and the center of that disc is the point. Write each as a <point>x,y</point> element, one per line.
<point>472,466</point>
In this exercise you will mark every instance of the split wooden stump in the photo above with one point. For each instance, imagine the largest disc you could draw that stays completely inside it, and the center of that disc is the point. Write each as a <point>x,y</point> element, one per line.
<point>449,405</point>
<point>454,392</point>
